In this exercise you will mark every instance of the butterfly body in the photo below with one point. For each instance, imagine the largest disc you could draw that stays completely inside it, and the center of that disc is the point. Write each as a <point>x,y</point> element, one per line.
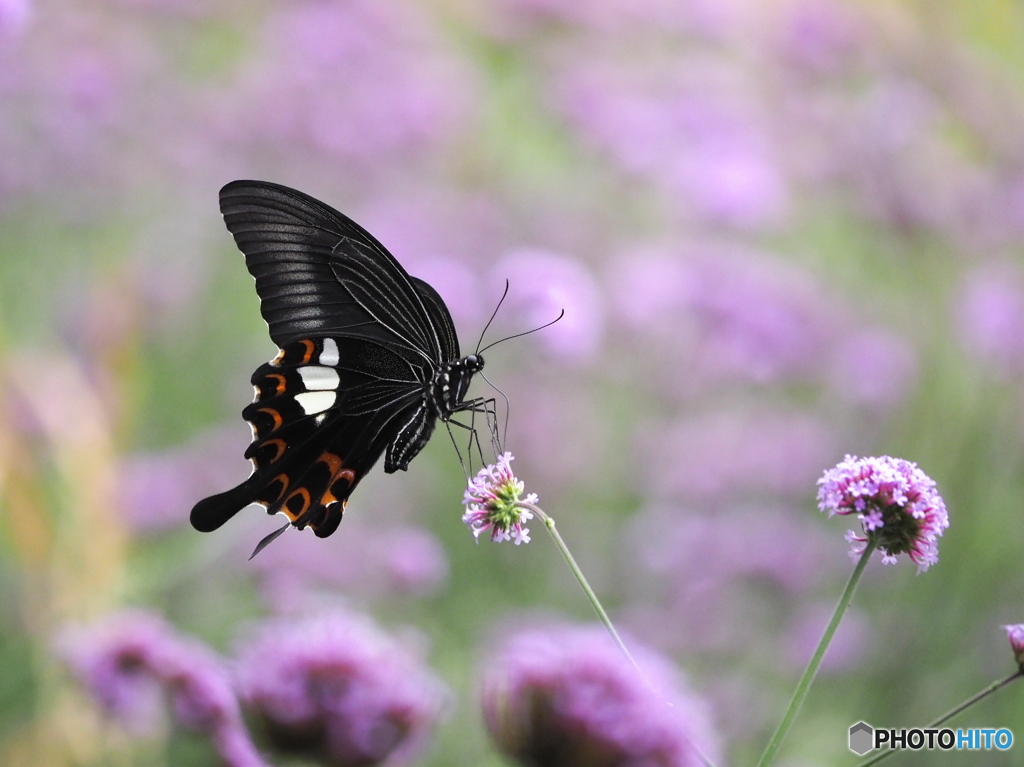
<point>369,360</point>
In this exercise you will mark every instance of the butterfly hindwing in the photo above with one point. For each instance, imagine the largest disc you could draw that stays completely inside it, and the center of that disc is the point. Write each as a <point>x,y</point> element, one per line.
<point>315,491</point>
<point>321,417</point>
<point>267,485</point>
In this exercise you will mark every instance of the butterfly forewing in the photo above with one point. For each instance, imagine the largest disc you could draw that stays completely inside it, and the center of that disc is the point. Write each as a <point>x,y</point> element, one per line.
<point>440,318</point>
<point>318,272</point>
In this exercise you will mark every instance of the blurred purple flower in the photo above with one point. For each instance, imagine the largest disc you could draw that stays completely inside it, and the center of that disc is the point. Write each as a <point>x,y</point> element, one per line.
<point>652,287</point>
<point>14,14</point>
<point>820,36</point>
<point>368,560</point>
<point>851,642</point>
<point>683,132</point>
<point>116,662</point>
<point>566,409</point>
<point>459,287</point>
<point>721,575</point>
<point>492,501</point>
<point>515,19</point>
<point>542,284</point>
<point>874,368</point>
<point>359,80</point>
<point>567,695</point>
<point>741,543</point>
<point>889,151</point>
<point>990,313</point>
<point>88,99</point>
<point>434,222</point>
<point>158,488</point>
<point>337,688</point>
<point>83,102</point>
<point>414,560</point>
<point>1006,196</point>
<point>438,235</point>
<point>724,312</point>
<point>130,660</point>
<point>732,178</point>
<point>896,502</point>
<point>1015,635</point>
<point>192,8</point>
<point>730,454</point>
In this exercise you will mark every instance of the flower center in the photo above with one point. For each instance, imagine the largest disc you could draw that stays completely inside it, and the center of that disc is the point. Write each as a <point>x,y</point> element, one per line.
<point>898,532</point>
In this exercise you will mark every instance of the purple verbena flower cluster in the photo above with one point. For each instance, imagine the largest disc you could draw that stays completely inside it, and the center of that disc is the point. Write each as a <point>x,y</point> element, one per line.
<point>332,686</point>
<point>897,504</point>
<point>492,503</point>
<point>336,688</point>
<point>567,695</point>
<point>132,660</point>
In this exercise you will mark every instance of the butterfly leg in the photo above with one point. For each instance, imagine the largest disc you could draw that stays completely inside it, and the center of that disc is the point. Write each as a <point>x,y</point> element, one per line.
<point>474,440</point>
<point>487,406</point>
<point>491,413</point>
<point>455,444</point>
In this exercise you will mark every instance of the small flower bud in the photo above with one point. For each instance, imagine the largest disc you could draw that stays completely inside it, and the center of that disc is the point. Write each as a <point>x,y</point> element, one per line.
<point>1015,634</point>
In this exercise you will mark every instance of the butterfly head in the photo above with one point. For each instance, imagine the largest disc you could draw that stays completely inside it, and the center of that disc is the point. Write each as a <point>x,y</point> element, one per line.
<point>452,383</point>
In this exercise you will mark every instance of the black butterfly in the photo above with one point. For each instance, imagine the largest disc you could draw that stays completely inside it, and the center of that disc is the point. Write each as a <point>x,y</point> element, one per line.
<point>368,360</point>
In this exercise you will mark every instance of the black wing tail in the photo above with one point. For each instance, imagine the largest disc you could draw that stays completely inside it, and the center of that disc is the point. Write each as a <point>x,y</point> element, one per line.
<point>210,513</point>
<point>267,485</point>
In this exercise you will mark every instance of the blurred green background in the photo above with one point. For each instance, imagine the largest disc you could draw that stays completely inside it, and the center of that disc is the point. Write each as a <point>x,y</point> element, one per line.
<point>782,231</point>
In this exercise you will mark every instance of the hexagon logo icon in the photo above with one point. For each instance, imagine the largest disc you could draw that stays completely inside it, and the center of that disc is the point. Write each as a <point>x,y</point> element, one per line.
<point>861,737</point>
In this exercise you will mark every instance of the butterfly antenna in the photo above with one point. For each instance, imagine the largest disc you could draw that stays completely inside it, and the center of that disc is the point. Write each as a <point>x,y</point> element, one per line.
<point>508,407</point>
<point>493,315</point>
<point>524,333</point>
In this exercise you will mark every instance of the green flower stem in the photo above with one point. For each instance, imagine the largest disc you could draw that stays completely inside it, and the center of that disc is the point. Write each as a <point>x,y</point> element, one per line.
<point>950,714</point>
<point>549,523</point>
<point>804,685</point>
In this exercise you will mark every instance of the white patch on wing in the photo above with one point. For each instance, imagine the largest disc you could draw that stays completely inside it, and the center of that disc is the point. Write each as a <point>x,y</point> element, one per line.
<point>329,356</point>
<point>318,378</point>
<point>315,401</point>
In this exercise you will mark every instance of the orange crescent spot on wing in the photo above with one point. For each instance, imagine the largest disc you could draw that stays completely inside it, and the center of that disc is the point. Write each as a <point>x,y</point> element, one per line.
<point>281,446</point>
<point>334,463</point>
<point>273,414</point>
<point>310,348</point>
<point>329,497</point>
<point>291,513</point>
<point>283,479</point>
<point>281,386</point>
